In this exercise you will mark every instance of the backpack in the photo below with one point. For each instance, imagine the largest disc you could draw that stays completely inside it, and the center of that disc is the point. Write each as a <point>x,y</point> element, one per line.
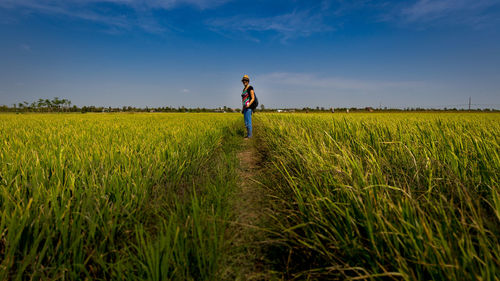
<point>255,103</point>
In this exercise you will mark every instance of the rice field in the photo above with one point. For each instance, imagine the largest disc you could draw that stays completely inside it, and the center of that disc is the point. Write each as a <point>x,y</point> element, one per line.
<point>385,196</point>
<point>389,196</point>
<point>112,196</point>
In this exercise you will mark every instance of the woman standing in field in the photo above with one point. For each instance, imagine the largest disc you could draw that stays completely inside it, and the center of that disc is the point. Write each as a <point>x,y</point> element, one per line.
<point>248,99</point>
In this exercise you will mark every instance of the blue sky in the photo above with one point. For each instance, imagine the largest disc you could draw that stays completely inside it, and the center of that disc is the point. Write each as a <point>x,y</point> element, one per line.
<point>297,53</point>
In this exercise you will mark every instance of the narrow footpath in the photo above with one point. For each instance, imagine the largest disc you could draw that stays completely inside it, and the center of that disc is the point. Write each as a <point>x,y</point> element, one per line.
<point>249,207</point>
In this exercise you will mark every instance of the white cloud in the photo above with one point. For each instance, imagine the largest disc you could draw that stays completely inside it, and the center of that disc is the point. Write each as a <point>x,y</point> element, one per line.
<point>25,47</point>
<point>428,9</point>
<point>295,89</point>
<point>185,91</point>
<point>471,12</point>
<point>340,83</point>
<point>82,9</point>
<point>202,4</point>
<point>155,4</point>
<point>291,25</point>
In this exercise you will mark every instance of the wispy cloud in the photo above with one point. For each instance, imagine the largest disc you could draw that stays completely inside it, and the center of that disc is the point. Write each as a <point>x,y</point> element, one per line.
<point>85,10</point>
<point>470,12</point>
<point>25,47</point>
<point>298,89</point>
<point>313,81</point>
<point>295,24</point>
<point>148,4</point>
<point>201,4</point>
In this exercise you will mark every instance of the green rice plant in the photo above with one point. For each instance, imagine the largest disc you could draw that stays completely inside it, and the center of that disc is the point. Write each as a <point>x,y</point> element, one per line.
<point>398,196</point>
<point>117,196</point>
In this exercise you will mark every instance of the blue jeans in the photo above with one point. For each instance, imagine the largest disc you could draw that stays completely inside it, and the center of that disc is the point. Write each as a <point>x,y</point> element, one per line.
<point>247,113</point>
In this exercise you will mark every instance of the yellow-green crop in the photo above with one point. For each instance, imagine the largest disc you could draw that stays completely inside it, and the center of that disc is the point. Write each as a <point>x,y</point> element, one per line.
<point>111,196</point>
<point>403,196</point>
<point>148,196</point>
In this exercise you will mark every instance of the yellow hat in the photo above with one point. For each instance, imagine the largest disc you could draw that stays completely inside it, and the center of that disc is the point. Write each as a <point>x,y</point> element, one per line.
<point>245,77</point>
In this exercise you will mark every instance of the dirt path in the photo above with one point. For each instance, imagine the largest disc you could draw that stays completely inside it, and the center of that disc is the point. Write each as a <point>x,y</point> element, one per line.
<point>249,207</point>
<point>250,194</point>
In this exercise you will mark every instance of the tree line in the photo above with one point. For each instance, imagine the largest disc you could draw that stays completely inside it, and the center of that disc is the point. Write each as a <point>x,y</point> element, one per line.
<point>41,105</point>
<point>64,105</point>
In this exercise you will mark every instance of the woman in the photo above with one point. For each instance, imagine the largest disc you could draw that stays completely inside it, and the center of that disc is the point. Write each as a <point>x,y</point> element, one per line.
<point>247,97</point>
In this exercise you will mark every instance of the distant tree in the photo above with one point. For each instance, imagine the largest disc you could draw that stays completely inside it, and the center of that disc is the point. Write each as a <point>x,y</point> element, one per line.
<point>48,104</point>
<point>66,104</point>
<point>56,104</point>
<point>40,104</point>
<point>262,107</point>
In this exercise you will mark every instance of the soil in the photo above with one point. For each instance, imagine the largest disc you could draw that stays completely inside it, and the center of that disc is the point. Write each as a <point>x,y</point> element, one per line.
<point>249,208</point>
<point>250,194</point>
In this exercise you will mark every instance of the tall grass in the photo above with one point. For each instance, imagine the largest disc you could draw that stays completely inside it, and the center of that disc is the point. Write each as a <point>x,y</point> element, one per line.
<point>146,196</point>
<point>393,196</point>
<point>123,197</point>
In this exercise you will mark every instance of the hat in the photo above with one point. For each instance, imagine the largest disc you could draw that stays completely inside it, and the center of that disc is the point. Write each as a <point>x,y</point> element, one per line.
<point>245,77</point>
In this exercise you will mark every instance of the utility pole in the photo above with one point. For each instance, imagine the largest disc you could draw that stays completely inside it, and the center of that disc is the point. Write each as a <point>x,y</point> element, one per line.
<point>469,103</point>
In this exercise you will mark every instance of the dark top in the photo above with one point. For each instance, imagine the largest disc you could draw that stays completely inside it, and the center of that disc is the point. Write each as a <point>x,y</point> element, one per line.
<point>246,97</point>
